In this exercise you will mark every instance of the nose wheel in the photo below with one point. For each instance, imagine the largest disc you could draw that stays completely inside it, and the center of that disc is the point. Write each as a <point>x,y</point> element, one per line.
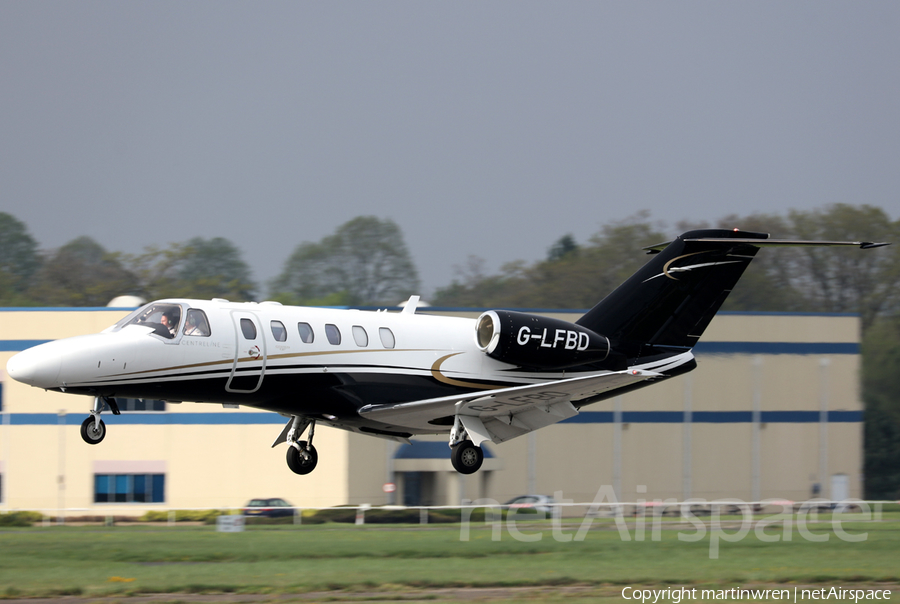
<point>93,430</point>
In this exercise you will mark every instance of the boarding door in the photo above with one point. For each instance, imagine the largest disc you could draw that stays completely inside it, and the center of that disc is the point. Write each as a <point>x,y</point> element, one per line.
<point>250,354</point>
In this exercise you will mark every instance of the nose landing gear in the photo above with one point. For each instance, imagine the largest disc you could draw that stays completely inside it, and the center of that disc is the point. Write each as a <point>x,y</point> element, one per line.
<point>93,430</point>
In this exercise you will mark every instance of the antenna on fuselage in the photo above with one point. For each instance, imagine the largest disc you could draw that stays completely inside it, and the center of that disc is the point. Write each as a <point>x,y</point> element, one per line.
<point>409,307</point>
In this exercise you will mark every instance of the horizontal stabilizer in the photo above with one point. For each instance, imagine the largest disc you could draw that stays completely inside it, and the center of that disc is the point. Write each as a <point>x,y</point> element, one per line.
<point>865,245</point>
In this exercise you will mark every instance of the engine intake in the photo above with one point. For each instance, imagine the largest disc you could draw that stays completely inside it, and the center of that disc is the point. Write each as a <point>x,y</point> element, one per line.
<point>538,342</point>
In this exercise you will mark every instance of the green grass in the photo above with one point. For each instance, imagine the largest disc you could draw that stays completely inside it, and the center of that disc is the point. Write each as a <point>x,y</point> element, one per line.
<point>284,559</point>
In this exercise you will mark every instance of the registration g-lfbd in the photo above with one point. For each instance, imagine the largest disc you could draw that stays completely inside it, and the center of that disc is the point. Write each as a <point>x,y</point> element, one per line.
<point>397,374</point>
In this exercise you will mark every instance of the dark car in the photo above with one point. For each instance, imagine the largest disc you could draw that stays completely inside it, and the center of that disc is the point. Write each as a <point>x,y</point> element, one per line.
<point>268,508</point>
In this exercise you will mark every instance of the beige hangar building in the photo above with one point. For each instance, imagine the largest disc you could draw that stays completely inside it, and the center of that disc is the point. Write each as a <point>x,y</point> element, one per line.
<point>772,411</point>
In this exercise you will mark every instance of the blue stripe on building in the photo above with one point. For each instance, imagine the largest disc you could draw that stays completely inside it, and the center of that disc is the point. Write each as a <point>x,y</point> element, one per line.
<point>585,417</point>
<point>714,417</point>
<point>722,417</point>
<point>776,348</point>
<point>151,419</point>
<point>420,449</point>
<point>19,345</point>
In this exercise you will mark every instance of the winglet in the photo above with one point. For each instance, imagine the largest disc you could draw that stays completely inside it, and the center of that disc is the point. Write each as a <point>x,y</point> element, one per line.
<point>410,307</point>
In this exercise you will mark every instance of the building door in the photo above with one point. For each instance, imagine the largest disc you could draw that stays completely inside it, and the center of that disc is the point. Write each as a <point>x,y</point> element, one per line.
<point>840,487</point>
<point>412,489</point>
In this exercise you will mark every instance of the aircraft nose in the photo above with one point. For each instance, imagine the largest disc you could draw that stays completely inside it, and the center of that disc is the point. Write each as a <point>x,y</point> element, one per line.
<point>38,366</point>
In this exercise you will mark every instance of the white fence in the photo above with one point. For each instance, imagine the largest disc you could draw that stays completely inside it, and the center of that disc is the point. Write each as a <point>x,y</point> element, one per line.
<point>555,509</point>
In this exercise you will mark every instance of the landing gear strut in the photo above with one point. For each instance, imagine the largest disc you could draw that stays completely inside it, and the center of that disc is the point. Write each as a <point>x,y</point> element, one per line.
<point>465,455</point>
<point>301,454</point>
<point>93,430</point>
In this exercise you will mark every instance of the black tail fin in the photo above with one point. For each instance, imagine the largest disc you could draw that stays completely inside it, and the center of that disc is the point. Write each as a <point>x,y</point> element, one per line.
<point>672,298</point>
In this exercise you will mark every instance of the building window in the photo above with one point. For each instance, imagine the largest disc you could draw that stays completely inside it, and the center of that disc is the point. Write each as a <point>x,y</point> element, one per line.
<point>1,397</point>
<point>248,329</point>
<point>278,331</point>
<point>129,488</point>
<point>360,336</point>
<point>140,405</point>
<point>387,337</point>
<point>306,333</point>
<point>333,334</point>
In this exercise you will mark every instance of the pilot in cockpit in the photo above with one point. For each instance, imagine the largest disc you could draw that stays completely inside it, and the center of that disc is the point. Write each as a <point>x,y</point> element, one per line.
<point>170,322</point>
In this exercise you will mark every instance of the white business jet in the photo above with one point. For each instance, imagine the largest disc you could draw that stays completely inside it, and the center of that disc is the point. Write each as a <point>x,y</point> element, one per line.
<point>396,374</point>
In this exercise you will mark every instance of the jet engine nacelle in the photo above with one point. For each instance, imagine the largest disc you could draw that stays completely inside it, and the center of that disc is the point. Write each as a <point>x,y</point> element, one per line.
<point>538,342</point>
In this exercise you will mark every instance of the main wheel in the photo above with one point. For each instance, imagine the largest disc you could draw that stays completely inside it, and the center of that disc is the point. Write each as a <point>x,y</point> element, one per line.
<point>91,433</point>
<point>299,463</point>
<point>466,457</point>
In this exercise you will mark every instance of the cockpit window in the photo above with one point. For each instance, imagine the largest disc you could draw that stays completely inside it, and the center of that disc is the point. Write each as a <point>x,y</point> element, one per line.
<point>163,318</point>
<point>196,324</point>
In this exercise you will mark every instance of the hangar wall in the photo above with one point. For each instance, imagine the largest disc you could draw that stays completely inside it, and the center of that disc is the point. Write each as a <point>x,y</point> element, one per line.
<point>772,411</point>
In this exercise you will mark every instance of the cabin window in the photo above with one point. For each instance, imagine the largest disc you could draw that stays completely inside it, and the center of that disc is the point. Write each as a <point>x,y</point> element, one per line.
<point>196,324</point>
<point>248,329</point>
<point>129,488</point>
<point>306,333</point>
<point>387,337</point>
<point>278,331</point>
<point>333,333</point>
<point>360,336</point>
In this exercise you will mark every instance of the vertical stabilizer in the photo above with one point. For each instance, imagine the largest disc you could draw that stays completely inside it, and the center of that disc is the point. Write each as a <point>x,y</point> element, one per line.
<point>672,298</point>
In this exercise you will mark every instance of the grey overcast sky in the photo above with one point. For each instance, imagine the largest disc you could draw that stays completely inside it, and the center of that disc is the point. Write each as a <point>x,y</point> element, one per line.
<point>485,128</point>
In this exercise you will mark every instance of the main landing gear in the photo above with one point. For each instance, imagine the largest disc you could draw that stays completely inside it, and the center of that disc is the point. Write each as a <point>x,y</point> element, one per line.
<point>465,455</point>
<point>93,430</point>
<point>301,454</point>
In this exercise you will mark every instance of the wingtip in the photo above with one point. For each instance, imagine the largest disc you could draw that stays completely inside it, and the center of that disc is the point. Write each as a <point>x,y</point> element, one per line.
<point>867,245</point>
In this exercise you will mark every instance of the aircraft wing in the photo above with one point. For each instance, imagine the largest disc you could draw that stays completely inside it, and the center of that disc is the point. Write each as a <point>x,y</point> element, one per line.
<point>500,415</point>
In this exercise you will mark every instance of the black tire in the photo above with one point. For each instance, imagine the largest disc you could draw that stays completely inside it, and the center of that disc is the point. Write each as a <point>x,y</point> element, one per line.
<point>300,464</point>
<point>466,457</point>
<point>89,434</point>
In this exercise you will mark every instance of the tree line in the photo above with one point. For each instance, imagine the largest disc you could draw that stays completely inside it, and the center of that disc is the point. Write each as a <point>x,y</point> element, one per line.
<point>365,262</point>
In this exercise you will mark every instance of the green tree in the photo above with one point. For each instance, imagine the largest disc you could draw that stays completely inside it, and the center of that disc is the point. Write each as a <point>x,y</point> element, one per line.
<point>82,273</point>
<point>577,279</point>
<point>564,246</point>
<point>833,280</point>
<point>198,268</point>
<point>768,284</point>
<point>19,260</point>
<point>881,393</point>
<point>365,262</point>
